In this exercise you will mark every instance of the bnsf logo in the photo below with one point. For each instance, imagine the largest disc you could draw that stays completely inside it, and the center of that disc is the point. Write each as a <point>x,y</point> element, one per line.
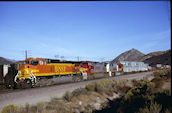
<point>60,69</point>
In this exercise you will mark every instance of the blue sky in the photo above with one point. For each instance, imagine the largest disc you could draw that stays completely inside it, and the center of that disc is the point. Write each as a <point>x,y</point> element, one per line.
<point>95,30</point>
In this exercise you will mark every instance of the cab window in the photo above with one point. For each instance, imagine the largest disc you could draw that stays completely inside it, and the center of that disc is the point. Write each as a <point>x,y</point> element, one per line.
<point>42,63</point>
<point>85,64</point>
<point>34,62</point>
<point>26,62</point>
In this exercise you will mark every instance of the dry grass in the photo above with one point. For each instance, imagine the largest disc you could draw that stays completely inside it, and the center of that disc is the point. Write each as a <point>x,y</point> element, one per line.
<point>108,87</point>
<point>11,109</point>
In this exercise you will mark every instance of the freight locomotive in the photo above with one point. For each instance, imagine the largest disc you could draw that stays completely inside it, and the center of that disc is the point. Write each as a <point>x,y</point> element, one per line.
<point>35,69</point>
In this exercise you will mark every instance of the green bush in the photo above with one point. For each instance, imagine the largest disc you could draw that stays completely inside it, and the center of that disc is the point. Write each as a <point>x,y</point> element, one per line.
<point>11,109</point>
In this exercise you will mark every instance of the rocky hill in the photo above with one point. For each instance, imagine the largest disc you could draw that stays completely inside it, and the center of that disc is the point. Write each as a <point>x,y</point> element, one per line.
<point>5,61</point>
<point>130,55</point>
<point>163,57</point>
<point>152,54</point>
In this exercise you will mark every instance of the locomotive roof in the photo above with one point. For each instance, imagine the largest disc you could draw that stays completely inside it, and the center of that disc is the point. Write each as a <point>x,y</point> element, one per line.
<point>60,61</point>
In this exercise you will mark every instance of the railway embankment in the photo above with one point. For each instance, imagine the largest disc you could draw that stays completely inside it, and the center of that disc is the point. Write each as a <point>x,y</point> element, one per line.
<point>94,97</point>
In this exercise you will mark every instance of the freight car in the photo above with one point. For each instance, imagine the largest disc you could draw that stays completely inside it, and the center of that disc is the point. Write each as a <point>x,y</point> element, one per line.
<point>7,74</point>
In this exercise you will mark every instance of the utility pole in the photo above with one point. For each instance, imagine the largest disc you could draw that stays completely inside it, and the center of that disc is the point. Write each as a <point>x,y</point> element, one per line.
<point>25,54</point>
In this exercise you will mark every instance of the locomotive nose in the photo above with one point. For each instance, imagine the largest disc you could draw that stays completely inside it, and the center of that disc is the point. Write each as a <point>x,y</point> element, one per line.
<point>23,73</point>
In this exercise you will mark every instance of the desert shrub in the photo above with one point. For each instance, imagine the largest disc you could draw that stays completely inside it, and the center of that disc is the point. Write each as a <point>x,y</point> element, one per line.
<point>120,85</point>
<point>67,96</point>
<point>143,83</point>
<point>55,104</point>
<point>54,100</point>
<point>143,88</point>
<point>79,91</point>
<point>153,107</point>
<point>158,82</point>
<point>137,97</point>
<point>104,86</point>
<point>91,86</point>
<point>11,109</point>
<point>163,74</point>
<point>27,107</point>
<point>121,82</point>
<point>164,99</point>
<point>160,77</point>
<point>143,99</point>
<point>40,106</point>
<point>108,87</point>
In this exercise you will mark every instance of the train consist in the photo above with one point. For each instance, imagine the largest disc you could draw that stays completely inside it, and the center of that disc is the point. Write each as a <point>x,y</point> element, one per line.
<point>35,69</point>
<point>40,71</point>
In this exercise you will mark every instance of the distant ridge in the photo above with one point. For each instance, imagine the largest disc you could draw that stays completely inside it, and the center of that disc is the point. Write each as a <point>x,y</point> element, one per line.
<point>163,57</point>
<point>130,55</point>
<point>5,61</point>
<point>152,54</point>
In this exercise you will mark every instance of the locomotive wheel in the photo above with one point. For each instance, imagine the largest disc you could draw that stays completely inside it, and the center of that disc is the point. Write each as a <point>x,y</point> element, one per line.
<point>15,85</point>
<point>28,84</point>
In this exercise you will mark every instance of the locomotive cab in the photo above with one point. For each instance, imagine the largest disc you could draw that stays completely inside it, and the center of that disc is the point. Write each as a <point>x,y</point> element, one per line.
<point>26,71</point>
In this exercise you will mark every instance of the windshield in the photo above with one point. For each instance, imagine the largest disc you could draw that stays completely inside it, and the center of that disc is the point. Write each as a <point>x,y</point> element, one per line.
<point>85,64</point>
<point>26,62</point>
<point>34,62</point>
